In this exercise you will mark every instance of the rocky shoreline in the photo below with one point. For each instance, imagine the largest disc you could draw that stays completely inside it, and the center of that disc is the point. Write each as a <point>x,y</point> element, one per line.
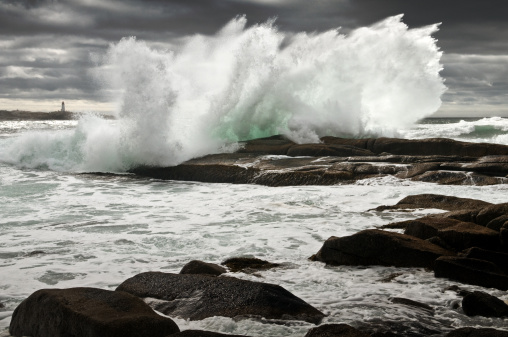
<point>468,244</point>
<point>277,161</point>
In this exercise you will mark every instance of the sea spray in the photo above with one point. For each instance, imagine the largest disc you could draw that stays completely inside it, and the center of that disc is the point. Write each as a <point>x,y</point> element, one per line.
<point>242,83</point>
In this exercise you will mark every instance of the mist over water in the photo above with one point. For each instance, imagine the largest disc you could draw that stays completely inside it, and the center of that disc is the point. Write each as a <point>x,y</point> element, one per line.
<point>243,83</point>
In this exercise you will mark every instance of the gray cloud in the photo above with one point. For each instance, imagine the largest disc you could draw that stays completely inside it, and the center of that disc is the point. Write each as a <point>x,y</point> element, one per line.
<point>46,44</point>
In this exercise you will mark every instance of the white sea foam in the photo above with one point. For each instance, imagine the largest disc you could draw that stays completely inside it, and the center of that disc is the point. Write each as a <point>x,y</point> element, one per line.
<point>247,82</point>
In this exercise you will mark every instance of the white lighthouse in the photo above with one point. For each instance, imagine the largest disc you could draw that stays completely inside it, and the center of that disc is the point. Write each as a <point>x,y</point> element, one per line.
<point>63,106</point>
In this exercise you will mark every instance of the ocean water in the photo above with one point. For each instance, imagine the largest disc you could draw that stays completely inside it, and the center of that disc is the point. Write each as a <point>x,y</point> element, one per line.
<point>68,229</point>
<point>61,227</point>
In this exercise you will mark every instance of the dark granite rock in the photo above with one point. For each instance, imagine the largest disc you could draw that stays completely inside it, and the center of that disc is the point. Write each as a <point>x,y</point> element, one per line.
<point>479,303</point>
<point>444,202</point>
<point>248,264</point>
<point>471,271</point>
<point>200,267</point>
<point>87,312</point>
<point>466,235</point>
<point>201,333</point>
<point>436,146</point>
<point>498,258</point>
<point>376,247</point>
<point>275,145</point>
<point>197,297</point>
<point>487,214</point>
<point>497,223</point>
<point>472,332</point>
<point>335,330</point>
<point>428,227</point>
<point>323,150</point>
<point>447,177</point>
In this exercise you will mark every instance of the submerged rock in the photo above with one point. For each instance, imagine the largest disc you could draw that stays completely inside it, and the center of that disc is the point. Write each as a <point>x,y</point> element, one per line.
<point>471,271</point>
<point>376,247</point>
<point>479,303</point>
<point>335,330</point>
<point>248,264</point>
<point>197,297</point>
<point>200,267</point>
<point>87,312</point>
<point>438,201</point>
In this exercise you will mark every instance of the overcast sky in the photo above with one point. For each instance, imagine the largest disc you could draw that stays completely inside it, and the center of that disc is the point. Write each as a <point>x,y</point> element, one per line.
<point>46,45</point>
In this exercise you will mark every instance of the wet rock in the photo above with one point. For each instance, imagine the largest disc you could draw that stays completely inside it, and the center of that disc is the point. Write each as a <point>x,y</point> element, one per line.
<point>490,213</point>
<point>335,330</point>
<point>498,258</point>
<point>2,306</point>
<point>438,201</point>
<point>472,332</point>
<point>365,143</point>
<point>471,271</point>
<point>457,178</point>
<point>275,145</point>
<point>376,247</point>
<point>428,227</point>
<point>201,333</point>
<point>466,215</point>
<point>497,223</point>
<point>436,146</point>
<point>200,267</point>
<point>87,312</point>
<point>504,238</point>
<point>479,303</point>
<point>323,150</point>
<point>436,240</point>
<point>248,264</point>
<point>466,235</point>
<point>196,297</point>
<point>405,301</point>
<point>213,173</point>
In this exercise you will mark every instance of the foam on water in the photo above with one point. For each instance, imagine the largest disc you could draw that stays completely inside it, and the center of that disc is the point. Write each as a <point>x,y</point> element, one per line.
<point>488,130</point>
<point>242,83</point>
<point>92,231</point>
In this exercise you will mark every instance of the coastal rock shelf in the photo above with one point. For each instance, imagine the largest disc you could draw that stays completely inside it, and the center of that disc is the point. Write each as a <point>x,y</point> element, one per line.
<point>277,161</point>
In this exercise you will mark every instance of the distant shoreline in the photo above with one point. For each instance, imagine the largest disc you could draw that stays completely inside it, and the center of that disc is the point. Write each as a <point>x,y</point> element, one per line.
<point>19,115</point>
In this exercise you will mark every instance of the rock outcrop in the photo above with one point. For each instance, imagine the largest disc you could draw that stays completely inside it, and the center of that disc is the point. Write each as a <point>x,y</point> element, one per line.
<point>197,297</point>
<point>333,330</point>
<point>200,267</point>
<point>277,161</point>
<point>479,303</point>
<point>87,312</point>
<point>376,247</point>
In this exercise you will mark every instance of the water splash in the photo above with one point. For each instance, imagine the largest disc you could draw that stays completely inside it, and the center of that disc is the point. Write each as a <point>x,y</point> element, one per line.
<point>245,83</point>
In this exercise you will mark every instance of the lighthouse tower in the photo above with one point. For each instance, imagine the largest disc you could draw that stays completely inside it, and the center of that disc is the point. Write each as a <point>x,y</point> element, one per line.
<point>63,106</point>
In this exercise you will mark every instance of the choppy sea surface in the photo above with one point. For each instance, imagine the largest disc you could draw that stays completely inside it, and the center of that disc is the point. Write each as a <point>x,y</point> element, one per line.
<point>61,229</point>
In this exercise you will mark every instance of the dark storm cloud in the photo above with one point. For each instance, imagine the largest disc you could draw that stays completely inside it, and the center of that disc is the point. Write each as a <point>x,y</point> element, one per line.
<point>50,41</point>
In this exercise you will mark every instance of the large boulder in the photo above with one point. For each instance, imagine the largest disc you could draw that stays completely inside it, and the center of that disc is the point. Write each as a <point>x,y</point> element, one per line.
<point>428,227</point>
<point>376,247</point>
<point>500,259</point>
<point>335,330</point>
<point>197,297</point>
<point>444,202</point>
<point>490,213</point>
<point>87,312</point>
<point>200,267</point>
<point>471,271</point>
<point>466,235</point>
<point>479,303</point>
